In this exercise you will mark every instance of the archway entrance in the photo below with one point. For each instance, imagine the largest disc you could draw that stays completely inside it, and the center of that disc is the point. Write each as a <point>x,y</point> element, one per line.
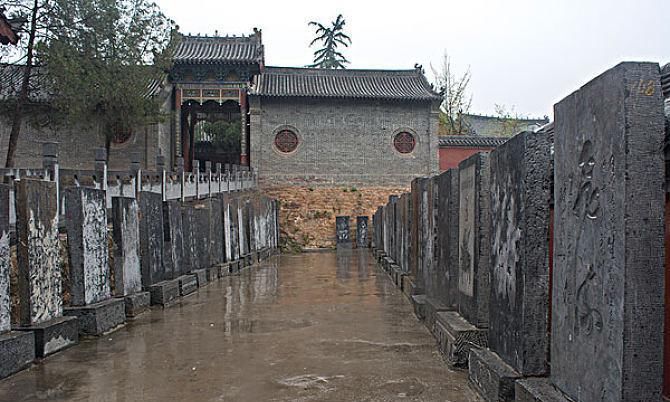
<point>211,131</point>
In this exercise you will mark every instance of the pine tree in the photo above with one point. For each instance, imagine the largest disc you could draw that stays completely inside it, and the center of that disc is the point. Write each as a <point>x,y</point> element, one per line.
<point>330,37</point>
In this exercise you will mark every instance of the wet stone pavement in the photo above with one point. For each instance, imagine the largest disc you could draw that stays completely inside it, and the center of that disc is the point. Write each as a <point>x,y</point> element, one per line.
<point>312,327</point>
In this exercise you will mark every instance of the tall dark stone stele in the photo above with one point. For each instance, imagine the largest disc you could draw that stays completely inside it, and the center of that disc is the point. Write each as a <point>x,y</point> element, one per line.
<point>342,231</point>
<point>16,348</point>
<point>151,239</point>
<point>174,236</point>
<point>234,228</point>
<point>473,226</point>
<point>39,279</point>
<point>446,267</point>
<point>607,296</point>
<point>86,225</point>
<point>362,231</point>
<point>216,248</point>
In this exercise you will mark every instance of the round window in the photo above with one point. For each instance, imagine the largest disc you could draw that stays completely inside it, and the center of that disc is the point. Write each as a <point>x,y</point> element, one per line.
<point>286,141</point>
<point>121,133</point>
<point>404,142</point>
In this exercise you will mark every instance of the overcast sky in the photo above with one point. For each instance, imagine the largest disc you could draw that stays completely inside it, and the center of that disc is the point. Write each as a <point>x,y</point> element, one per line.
<point>525,54</point>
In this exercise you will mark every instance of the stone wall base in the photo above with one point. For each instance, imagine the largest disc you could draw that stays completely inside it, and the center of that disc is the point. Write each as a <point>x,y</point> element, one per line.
<point>54,335</point>
<point>164,293</point>
<point>491,376</point>
<point>17,349</point>
<point>408,286</point>
<point>99,318</point>
<point>419,303</point>
<point>432,308</point>
<point>137,303</point>
<point>213,273</point>
<point>538,390</point>
<point>200,276</point>
<point>456,336</point>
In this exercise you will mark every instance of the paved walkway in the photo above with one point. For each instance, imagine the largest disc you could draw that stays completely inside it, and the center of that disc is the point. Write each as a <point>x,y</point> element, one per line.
<point>314,327</point>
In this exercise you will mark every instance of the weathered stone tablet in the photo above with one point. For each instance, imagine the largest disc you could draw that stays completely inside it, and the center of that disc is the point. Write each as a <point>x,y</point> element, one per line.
<point>362,231</point>
<point>474,248</point>
<point>151,238</point>
<point>446,267</point>
<point>174,236</point>
<point>5,260</point>
<point>86,225</point>
<point>607,296</point>
<point>126,231</point>
<point>342,231</point>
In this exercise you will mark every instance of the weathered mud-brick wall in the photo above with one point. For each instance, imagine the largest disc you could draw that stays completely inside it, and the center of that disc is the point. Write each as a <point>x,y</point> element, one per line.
<point>520,197</point>
<point>126,229</point>
<point>607,297</point>
<point>86,224</point>
<point>40,288</point>
<point>473,227</point>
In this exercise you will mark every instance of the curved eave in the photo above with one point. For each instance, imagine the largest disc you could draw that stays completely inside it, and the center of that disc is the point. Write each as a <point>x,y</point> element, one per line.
<point>361,97</point>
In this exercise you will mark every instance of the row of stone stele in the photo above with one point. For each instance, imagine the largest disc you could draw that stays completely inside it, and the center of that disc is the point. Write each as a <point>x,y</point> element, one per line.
<point>540,267</point>
<point>101,300</point>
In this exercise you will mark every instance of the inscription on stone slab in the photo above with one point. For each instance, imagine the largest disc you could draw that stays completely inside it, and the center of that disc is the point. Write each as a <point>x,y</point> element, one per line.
<point>189,239</point>
<point>607,296</point>
<point>234,228</point>
<point>520,197</point>
<point>86,224</point>
<point>216,248</point>
<point>127,272</point>
<point>467,231</point>
<point>174,236</point>
<point>362,231</point>
<point>474,226</point>
<point>241,230</point>
<point>5,304</point>
<point>40,288</point>
<point>342,230</point>
<point>226,228</point>
<point>447,268</point>
<point>151,238</point>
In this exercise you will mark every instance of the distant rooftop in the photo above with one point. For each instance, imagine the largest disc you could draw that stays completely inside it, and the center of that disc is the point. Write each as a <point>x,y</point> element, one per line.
<point>495,126</point>
<point>471,141</point>
<point>344,83</point>
<point>220,49</point>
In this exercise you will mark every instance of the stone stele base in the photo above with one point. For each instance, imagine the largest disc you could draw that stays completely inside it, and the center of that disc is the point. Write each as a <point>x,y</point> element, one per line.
<point>187,284</point>
<point>213,273</point>
<point>408,286</point>
<point>137,303</point>
<point>164,293</point>
<point>17,349</point>
<point>200,276</point>
<point>491,376</point>
<point>54,335</point>
<point>419,303</point>
<point>432,308</point>
<point>456,336</point>
<point>99,318</point>
<point>538,390</point>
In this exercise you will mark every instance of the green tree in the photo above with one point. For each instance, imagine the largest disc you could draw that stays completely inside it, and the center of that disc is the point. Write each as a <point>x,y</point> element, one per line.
<point>330,38</point>
<point>455,99</point>
<point>102,58</point>
<point>36,28</point>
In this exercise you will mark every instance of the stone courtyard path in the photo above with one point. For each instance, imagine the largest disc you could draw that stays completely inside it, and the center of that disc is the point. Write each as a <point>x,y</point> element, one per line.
<point>313,327</point>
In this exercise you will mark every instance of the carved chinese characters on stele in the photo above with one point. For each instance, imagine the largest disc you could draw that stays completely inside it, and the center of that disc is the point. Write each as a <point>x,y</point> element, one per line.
<point>607,296</point>
<point>466,226</point>
<point>39,269</point>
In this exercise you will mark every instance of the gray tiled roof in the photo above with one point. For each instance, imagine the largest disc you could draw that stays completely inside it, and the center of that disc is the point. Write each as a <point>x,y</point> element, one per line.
<point>471,141</point>
<point>347,83</point>
<point>492,126</point>
<point>219,49</point>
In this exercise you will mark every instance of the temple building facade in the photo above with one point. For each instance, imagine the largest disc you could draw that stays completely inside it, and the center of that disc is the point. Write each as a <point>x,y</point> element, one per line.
<point>292,125</point>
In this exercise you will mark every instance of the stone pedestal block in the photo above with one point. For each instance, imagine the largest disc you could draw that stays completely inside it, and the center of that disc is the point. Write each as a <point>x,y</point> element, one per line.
<point>456,336</point>
<point>214,273</point>
<point>200,276</point>
<point>408,286</point>
<point>491,376</point>
<point>419,304</point>
<point>433,306</point>
<point>473,226</point>
<point>53,335</point>
<point>99,318</point>
<point>187,284</point>
<point>537,390</point>
<point>137,303</point>
<point>17,349</point>
<point>164,293</point>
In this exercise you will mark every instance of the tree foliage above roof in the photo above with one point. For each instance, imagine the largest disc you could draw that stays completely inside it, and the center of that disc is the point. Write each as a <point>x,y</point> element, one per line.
<point>330,38</point>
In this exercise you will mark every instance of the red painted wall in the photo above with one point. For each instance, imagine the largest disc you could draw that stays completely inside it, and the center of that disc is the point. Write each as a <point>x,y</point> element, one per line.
<point>450,157</point>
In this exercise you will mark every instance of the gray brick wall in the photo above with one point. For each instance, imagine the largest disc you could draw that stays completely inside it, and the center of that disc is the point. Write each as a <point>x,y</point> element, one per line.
<point>343,141</point>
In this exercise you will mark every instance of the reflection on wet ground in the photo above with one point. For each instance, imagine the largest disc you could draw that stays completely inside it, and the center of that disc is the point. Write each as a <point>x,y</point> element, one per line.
<point>313,327</point>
